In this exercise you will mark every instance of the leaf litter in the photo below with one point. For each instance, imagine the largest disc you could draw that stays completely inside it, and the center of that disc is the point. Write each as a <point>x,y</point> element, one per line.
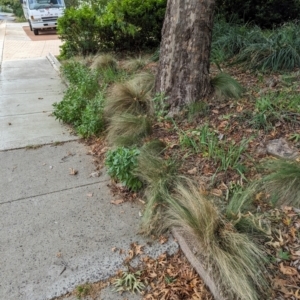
<point>169,277</point>
<point>231,120</point>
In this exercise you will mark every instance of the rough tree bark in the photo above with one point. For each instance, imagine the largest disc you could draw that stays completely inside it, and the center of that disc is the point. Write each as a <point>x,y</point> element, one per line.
<point>183,73</point>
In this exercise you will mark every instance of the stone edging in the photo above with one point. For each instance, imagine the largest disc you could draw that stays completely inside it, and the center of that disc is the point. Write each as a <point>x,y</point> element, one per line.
<point>196,263</point>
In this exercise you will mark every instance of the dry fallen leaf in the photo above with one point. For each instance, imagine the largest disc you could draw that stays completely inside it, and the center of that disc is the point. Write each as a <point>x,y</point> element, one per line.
<point>95,174</point>
<point>90,194</point>
<point>239,108</point>
<point>138,249</point>
<point>297,294</point>
<point>295,253</point>
<point>223,124</point>
<point>73,171</point>
<point>172,146</point>
<point>117,202</point>
<point>286,270</point>
<point>142,201</point>
<point>192,171</point>
<point>163,239</point>
<point>217,192</point>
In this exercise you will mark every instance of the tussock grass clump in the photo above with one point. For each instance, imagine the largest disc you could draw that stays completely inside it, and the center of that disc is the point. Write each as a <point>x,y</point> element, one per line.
<point>228,39</point>
<point>227,86</point>
<point>159,176</point>
<point>130,97</point>
<point>155,147</point>
<point>104,61</point>
<point>242,201</point>
<point>282,181</point>
<point>143,80</point>
<point>128,129</point>
<point>276,50</point>
<point>135,64</point>
<point>239,209</point>
<point>129,110</point>
<point>238,262</point>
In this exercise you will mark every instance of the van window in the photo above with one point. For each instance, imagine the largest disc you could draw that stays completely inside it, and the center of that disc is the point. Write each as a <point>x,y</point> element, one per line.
<point>38,4</point>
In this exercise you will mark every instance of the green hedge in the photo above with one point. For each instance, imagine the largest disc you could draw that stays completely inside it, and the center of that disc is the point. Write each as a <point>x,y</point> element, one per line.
<point>117,25</point>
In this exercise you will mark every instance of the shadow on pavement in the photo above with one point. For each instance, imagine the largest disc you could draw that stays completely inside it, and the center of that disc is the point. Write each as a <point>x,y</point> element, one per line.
<point>43,34</point>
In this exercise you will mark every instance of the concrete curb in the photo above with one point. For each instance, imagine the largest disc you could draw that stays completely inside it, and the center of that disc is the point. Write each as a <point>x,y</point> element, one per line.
<point>54,62</point>
<point>2,36</point>
<point>196,263</point>
<point>56,66</point>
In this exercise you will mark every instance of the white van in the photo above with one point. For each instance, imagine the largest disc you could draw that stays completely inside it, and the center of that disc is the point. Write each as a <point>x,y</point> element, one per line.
<point>42,14</point>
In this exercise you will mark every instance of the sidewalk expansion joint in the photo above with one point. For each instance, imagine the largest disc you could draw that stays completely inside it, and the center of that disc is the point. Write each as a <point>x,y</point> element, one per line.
<point>29,113</point>
<point>54,192</point>
<point>51,144</point>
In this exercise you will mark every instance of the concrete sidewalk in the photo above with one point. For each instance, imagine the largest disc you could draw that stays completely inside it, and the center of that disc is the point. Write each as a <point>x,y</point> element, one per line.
<point>57,230</point>
<point>16,38</point>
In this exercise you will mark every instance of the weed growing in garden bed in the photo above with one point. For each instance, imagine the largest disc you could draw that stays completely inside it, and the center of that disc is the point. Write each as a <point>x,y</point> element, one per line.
<point>121,163</point>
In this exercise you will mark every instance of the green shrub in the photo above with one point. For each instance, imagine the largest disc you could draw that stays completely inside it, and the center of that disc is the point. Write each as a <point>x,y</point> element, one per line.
<point>82,104</point>
<point>92,121</point>
<point>115,25</point>
<point>15,6</point>
<point>131,24</point>
<point>121,163</point>
<point>79,28</point>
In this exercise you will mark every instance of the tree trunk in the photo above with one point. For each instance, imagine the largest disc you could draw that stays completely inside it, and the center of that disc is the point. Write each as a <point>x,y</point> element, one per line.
<point>183,73</point>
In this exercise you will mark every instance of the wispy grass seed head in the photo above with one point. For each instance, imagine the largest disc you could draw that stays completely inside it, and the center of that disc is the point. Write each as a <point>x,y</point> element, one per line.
<point>236,260</point>
<point>282,181</point>
<point>130,98</point>
<point>104,61</point>
<point>160,177</point>
<point>135,64</point>
<point>127,129</point>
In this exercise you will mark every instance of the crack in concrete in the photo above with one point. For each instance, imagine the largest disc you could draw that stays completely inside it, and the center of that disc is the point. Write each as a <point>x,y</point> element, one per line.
<point>50,193</point>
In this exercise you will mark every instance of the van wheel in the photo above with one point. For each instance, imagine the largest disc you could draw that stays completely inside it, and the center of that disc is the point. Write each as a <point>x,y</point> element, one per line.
<point>36,31</point>
<point>30,25</point>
